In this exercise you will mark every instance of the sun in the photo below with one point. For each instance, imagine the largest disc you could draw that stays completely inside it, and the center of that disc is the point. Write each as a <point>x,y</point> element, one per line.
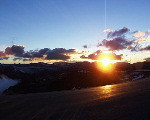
<point>105,61</point>
<point>105,64</point>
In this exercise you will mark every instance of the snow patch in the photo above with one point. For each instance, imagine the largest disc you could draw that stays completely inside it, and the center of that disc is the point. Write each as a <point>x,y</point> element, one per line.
<point>6,82</point>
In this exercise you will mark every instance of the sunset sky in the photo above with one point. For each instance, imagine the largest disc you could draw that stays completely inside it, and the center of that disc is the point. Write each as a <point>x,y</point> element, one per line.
<point>74,30</point>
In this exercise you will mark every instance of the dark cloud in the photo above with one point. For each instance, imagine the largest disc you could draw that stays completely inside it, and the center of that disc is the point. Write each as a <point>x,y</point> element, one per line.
<point>134,47</point>
<point>2,54</point>
<point>113,56</point>
<point>117,43</point>
<point>15,59</point>
<point>59,54</point>
<point>147,48</point>
<point>15,50</point>
<point>83,56</point>
<point>118,33</point>
<point>33,54</point>
<point>36,53</point>
<point>25,59</point>
<point>46,53</point>
<point>63,51</point>
<point>98,55</point>
<point>147,59</point>
<point>8,51</point>
<point>4,58</point>
<point>43,51</point>
<point>98,52</point>
<point>93,56</point>
<point>99,45</point>
<point>56,56</point>
<point>102,43</point>
<point>85,46</point>
<point>27,55</point>
<point>117,40</point>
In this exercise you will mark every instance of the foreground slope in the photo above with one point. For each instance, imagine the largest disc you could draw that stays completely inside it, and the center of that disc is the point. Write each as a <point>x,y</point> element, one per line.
<point>120,102</point>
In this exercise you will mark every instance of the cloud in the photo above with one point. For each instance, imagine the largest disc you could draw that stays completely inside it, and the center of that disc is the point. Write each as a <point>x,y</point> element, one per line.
<point>36,53</point>
<point>42,54</point>
<point>98,55</point>
<point>59,54</point>
<point>16,50</point>
<point>134,47</point>
<point>139,34</point>
<point>116,40</point>
<point>25,59</point>
<point>33,54</point>
<point>148,39</point>
<point>56,56</point>
<point>15,59</point>
<point>93,56</point>
<point>85,46</point>
<point>117,33</point>
<point>107,30</point>
<point>2,54</point>
<point>4,58</point>
<point>117,43</point>
<point>147,59</point>
<point>147,48</point>
<point>141,40</point>
<point>43,51</point>
<point>147,32</point>
<point>113,56</point>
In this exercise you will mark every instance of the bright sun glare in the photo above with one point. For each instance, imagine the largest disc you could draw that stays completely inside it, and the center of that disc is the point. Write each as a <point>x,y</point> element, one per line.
<point>105,61</point>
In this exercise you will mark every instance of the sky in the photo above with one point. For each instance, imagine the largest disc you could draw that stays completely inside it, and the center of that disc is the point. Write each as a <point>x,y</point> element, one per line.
<point>72,24</point>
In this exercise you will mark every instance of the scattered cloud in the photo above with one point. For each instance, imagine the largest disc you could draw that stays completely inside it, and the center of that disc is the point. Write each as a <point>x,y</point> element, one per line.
<point>117,33</point>
<point>85,46</point>
<point>117,40</point>
<point>59,54</point>
<point>4,58</point>
<point>139,34</point>
<point>147,48</point>
<point>25,59</point>
<point>121,40</point>
<point>118,43</point>
<point>147,59</point>
<point>44,54</point>
<point>16,50</point>
<point>2,54</point>
<point>94,56</point>
<point>98,55</point>
<point>113,56</point>
<point>147,32</point>
<point>107,30</point>
<point>15,59</point>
